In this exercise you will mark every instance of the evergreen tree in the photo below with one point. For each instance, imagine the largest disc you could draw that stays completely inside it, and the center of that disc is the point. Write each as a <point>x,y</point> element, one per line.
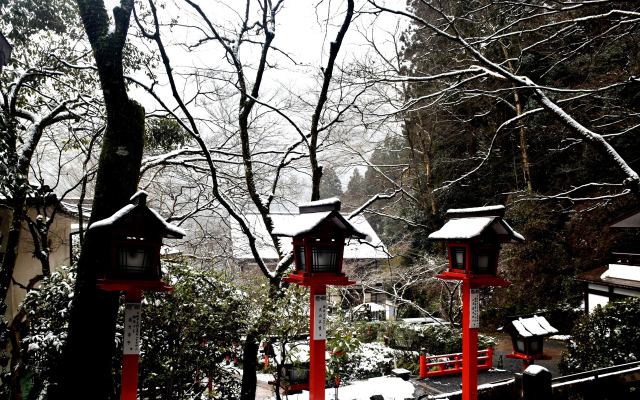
<point>456,125</point>
<point>330,185</point>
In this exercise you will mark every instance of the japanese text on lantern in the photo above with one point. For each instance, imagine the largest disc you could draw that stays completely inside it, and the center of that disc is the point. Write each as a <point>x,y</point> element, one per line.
<point>474,315</point>
<point>131,328</point>
<point>320,317</point>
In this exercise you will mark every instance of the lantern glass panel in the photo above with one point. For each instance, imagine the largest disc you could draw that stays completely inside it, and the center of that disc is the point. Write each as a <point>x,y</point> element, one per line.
<point>458,257</point>
<point>325,259</point>
<point>482,264</point>
<point>520,345</point>
<point>534,346</point>
<point>134,260</point>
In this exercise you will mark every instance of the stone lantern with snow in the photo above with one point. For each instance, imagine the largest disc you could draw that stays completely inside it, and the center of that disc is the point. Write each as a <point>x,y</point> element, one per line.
<point>473,237</point>
<point>131,258</point>
<point>527,335</point>
<point>319,232</point>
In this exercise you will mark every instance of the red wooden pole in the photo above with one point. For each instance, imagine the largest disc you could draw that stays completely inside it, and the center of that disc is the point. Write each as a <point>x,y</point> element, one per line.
<point>423,365</point>
<point>469,346</point>
<point>317,344</point>
<point>131,353</point>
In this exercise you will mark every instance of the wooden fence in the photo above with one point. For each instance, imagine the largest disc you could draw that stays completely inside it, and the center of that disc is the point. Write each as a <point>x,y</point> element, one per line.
<point>621,382</point>
<point>450,364</point>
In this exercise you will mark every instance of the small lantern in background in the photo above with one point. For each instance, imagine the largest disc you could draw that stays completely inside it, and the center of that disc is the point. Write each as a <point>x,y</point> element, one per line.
<point>527,336</point>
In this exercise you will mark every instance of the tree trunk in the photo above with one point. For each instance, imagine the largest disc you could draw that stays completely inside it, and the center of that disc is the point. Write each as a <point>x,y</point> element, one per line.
<point>90,346</point>
<point>91,340</point>
<point>526,170</point>
<point>249,365</point>
<point>526,173</point>
<point>13,240</point>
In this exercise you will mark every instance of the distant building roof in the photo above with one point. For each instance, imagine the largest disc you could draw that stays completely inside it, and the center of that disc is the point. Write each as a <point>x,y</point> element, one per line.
<point>354,250</point>
<point>601,276</point>
<point>624,271</point>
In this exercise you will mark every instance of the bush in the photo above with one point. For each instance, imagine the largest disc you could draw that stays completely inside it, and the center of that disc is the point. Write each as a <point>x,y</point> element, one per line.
<point>606,337</point>
<point>433,339</point>
<point>185,335</point>
<point>374,359</point>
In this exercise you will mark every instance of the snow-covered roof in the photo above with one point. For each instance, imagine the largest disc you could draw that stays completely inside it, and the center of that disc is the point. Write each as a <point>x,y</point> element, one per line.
<point>170,230</point>
<point>496,211</point>
<point>533,326</point>
<point>471,227</point>
<point>469,223</point>
<point>330,202</point>
<point>355,249</point>
<point>622,271</point>
<point>312,215</point>
<point>424,321</point>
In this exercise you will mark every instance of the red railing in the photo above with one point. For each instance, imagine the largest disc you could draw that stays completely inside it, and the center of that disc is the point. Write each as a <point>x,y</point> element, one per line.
<point>449,364</point>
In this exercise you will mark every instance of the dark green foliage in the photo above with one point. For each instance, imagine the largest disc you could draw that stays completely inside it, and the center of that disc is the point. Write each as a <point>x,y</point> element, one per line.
<point>28,17</point>
<point>451,134</point>
<point>185,335</point>
<point>164,134</point>
<point>432,339</point>
<point>47,311</point>
<point>606,337</point>
<point>387,166</point>
<point>330,185</point>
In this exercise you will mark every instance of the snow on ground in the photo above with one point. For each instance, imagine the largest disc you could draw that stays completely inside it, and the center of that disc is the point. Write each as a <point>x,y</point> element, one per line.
<point>391,388</point>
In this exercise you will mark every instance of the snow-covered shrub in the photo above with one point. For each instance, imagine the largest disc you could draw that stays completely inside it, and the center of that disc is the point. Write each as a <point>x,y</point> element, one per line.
<point>371,360</point>
<point>433,339</point>
<point>368,332</point>
<point>608,336</point>
<point>185,335</point>
<point>47,311</point>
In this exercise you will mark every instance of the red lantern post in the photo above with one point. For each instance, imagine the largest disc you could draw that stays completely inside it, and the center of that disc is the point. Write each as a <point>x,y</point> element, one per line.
<point>131,345</point>
<point>131,264</point>
<point>319,232</point>
<point>473,237</point>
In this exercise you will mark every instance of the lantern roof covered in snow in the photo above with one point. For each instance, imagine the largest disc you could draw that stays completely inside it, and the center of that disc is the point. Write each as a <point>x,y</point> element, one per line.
<point>530,327</point>
<point>138,212</point>
<point>471,223</point>
<point>318,215</point>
